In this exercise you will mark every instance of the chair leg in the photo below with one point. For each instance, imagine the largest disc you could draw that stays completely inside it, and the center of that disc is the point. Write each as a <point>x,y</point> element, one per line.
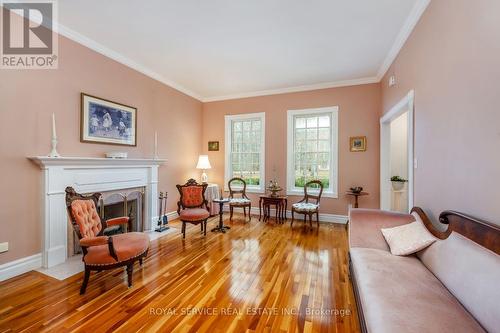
<point>310,221</point>
<point>201,226</point>
<point>140,261</point>
<point>183,229</point>
<point>293,217</point>
<point>205,228</point>
<point>317,219</point>
<point>245,212</point>
<point>230,213</point>
<point>249,215</point>
<point>130,271</point>
<point>85,281</point>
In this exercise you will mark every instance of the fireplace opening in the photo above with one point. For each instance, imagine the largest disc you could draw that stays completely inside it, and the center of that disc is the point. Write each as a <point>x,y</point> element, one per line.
<point>113,204</point>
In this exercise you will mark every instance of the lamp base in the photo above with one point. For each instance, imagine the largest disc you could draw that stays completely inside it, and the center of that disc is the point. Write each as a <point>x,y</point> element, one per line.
<point>204,177</point>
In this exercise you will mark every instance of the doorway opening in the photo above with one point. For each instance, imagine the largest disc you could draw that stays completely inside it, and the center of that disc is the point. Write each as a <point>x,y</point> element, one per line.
<point>396,156</point>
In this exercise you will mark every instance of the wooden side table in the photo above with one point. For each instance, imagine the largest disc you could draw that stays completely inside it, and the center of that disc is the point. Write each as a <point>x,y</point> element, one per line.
<point>221,227</point>
<point>356,196</point>
<point>265,203</point>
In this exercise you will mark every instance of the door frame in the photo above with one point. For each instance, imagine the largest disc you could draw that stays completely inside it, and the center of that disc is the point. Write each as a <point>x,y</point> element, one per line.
<point>404,105</point>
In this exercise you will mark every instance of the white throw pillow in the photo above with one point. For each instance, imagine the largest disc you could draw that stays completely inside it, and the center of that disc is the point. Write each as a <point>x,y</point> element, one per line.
<point>409,238</point>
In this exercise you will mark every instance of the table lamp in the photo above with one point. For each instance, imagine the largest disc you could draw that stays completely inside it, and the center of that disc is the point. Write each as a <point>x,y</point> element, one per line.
<point>203,163</point>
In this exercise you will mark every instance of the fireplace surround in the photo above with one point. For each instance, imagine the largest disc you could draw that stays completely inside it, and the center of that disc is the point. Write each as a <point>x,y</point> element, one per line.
<point>89,175</point>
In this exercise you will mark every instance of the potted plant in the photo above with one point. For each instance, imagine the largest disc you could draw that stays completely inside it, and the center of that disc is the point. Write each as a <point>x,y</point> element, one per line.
<point>398,183</point>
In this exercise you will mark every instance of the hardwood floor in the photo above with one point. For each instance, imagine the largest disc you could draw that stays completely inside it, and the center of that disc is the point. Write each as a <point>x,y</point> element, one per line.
<point>255,278</point>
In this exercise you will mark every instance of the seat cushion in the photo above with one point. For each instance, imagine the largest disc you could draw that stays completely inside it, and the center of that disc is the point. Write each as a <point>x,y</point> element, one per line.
<point>194,214</point>
<point>239,201</point>
<point>127,246</point>
<point>305,207</point>
<point>399,294</point>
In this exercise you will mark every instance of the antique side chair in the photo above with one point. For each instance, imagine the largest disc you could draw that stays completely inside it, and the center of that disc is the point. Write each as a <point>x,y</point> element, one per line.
<point>192,206</point>
<point>241,201</point>
<point>309,208</point>
<point>102,252</point>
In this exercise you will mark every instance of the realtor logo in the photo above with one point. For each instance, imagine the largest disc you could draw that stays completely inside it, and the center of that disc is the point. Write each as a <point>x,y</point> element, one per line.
<point>29,38</point>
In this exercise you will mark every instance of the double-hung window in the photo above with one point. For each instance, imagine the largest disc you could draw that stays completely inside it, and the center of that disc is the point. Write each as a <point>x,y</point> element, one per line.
<point>244,149</point>
<point>312,151</point>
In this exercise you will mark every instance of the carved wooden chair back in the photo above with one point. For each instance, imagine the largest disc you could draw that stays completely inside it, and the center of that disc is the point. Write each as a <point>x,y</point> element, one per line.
<point>311,192</point>
<point>232,190</point>
<point>192,195</point>
<point>82,210</point>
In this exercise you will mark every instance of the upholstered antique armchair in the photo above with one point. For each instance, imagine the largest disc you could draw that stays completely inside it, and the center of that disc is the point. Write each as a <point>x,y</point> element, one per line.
<point>240,201</point>
<point>192,206</point>
<point>306,207</point>
<point>103,252</point>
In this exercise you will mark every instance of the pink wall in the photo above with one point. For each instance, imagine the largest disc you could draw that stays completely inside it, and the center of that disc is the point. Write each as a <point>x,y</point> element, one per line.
<point>452,61</point>
<point>27,100</point>
<point>359,112</point>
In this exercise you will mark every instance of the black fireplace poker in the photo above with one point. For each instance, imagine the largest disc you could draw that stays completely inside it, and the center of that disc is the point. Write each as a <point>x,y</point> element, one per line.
<point>162,214</point>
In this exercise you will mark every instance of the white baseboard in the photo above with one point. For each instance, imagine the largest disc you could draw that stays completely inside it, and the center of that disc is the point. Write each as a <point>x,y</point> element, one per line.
<point>323,217</point>
<point>20,266</point>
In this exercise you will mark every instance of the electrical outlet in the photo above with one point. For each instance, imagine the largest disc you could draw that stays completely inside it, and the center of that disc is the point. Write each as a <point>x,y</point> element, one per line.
<point>4,247</point>
<point>392,80</point>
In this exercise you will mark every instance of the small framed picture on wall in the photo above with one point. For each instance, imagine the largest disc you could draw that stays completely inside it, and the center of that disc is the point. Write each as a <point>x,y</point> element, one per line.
<point>213,145</point>
<point>357,143</point>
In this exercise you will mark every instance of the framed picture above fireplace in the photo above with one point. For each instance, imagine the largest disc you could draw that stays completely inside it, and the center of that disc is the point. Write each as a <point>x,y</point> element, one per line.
<point>104,121</point>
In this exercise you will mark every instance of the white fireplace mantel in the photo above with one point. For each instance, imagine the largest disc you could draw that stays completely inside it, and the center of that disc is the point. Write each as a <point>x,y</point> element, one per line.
<point>89,175</point>
<point>45,161</point>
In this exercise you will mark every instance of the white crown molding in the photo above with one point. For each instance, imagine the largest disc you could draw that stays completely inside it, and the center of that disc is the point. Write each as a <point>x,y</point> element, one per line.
<point>405,32</point>
<point>318,86</point>
<point>93,45</point>
<point>410,23</point>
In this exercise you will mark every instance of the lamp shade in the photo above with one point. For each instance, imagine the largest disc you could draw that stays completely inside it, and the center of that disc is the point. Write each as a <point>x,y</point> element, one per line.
<point>203,162</point>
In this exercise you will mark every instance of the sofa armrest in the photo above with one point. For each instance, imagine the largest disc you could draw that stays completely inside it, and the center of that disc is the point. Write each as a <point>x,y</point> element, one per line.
<point>365,225</point>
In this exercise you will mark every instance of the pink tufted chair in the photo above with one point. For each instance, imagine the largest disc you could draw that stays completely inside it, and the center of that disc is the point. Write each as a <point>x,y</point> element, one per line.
<point>190,205</point>
<point>103,252</point>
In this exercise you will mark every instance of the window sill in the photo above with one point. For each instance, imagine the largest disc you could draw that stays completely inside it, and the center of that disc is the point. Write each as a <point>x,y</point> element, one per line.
<point>248,190</point>
<point>325,194</point>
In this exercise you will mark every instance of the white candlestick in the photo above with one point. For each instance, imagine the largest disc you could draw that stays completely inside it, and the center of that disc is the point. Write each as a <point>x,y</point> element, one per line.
<point>53,152</point>
<point>54,135</point>
<point>156,145</point>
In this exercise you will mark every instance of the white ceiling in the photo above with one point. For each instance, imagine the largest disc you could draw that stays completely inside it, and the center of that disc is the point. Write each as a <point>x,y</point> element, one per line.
<point>220,49</point>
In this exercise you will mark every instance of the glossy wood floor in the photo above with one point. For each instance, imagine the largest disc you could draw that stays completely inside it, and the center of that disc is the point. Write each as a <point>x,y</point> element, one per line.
<point>255,278</point>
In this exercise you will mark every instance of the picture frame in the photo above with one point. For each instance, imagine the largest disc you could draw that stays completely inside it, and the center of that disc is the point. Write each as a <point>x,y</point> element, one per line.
<point>107,122</point>
<point>357,143</point>
<point>213,145</point>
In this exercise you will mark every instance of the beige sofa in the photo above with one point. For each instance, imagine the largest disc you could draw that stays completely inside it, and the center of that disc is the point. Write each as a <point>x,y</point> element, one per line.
<point>451,286</point>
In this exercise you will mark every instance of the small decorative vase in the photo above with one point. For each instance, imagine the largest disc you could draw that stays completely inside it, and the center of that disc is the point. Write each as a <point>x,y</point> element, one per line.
<point>398,186</point>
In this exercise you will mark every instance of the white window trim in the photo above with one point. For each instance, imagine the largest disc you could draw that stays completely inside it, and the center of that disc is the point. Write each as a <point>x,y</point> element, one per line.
<point>228,144</point>
<point>331,192</point>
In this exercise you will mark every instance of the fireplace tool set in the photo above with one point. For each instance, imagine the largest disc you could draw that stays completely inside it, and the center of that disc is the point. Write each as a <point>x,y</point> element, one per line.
<point>162,214</point>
